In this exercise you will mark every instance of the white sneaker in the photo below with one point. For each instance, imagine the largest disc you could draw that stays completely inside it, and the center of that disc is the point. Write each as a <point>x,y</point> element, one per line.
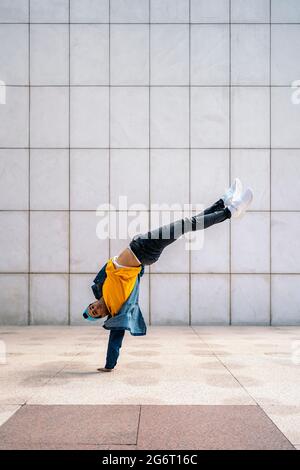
<point>239,206</point>
<point>234,192</point>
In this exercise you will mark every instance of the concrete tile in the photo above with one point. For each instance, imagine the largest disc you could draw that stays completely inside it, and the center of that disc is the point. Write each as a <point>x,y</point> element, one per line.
<point>14,239</point>
<point>89,11</point>
<point>49,234</point>
<point>287,419</point>
<point>49,109</point>
<point>14,286</point>
<point>221,427</point>
<point>285,46</point>
<point>285,177</point>
<point>89,123</point>
<point>62,425</point>
<point>89,178</point>
<point>17,390</point>
<point>253,168</point>
<point>129,11</point>
<point>14,11</point>
<point>173,287</point>
<point>250,117</point>
<point>210,250</point>
<point>169,11</point>
<point>210,11</point>
<point>89,54</point>
<point>250,54</point>
<point>285,242</point>
<point>285,118</point>
<point>124,224</point>
<point>267,377</point>
<point>129,117</point>
<point>47,12</point>
<point>49,299</point>
<point>256,11</point>
<point>142,378</point>
<point>49,179</point>
<point>209,54</point>
<point>285,11</point>
<point>210,117</point>
<point>171,192</point>
<point>250,299</point>
<point>49,54</point>
<point>129,54</point>
<point>88,252</point>
<point>216,164</point>
<point>59,365</point>
<point>210,299</point>
<point>14,117</point>
<point>14,53</point>
<point>169,55</point>
<point>169,120</point>
<point>138,162</point>
<point>253,255</point>
<point>285,299</point>
<point>14,186</point>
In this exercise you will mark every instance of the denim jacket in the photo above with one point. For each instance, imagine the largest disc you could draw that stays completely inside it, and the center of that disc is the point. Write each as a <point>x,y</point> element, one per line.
<point>129,316</point>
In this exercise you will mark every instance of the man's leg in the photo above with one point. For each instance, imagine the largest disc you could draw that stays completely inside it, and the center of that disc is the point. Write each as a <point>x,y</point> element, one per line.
<point>113,349</point>
<point>217,206</point>
<point>149,246</point>
<point>128,258</point>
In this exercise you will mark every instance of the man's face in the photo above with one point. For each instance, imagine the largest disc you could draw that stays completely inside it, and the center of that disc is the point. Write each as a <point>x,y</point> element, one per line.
<point>98,309</point>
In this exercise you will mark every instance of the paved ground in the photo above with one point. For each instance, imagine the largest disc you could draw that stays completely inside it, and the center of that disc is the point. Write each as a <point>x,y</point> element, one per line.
<point>229,387</point>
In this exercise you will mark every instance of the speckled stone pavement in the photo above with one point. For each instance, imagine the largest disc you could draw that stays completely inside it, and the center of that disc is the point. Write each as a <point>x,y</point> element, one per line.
<point>176,388</point>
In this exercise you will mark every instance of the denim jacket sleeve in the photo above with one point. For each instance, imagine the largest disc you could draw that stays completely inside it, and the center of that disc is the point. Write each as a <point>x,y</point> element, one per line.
<point>98,282</point>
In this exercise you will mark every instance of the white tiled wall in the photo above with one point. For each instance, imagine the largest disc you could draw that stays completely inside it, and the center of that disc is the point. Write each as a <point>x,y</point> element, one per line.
<point>164,101</point>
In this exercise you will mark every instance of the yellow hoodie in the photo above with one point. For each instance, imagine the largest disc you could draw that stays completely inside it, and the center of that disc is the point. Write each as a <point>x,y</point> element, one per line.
<point>118,285</point>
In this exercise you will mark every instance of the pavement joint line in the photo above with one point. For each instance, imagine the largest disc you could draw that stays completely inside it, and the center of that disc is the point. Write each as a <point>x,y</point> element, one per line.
<point>246,390</point>
<point>270,419</point>
<point>231,373</point>
<point>138,425</point>
<point>53,377</point>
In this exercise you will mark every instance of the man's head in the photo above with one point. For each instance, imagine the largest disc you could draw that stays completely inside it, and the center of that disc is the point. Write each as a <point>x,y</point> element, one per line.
<point>98,309</point>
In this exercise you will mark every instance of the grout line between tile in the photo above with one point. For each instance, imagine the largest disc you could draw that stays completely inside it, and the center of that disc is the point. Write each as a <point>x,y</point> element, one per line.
<point>108,85</point>
<point>270,159</point>
<point>109,124</point>
<point>29,316</point>
<point>229,164</point>
<point>189,164</point>
<point>69,167</point>
<point>153,148</point>
<point>132,23</point>
<point>149,162</point>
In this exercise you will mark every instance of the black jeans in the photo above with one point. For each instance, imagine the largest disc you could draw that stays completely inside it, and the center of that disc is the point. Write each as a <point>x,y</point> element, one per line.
<point>149,246</point>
